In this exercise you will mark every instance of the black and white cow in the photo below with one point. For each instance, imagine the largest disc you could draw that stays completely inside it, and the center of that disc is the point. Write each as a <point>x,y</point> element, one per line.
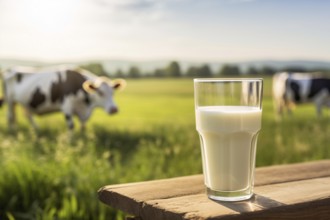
<point>290,89</point>
<point>73,91</point>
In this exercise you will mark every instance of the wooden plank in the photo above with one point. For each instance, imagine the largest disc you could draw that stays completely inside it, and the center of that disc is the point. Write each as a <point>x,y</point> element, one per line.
<point>292,172</point>
<point>281,198</point>
<point>132,198</point>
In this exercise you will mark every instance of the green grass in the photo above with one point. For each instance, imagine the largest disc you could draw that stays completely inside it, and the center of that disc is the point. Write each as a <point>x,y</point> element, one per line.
<point>54,176</point>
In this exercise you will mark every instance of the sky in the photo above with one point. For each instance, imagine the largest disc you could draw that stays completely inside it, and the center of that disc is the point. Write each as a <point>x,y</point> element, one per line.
<point>140,30</point>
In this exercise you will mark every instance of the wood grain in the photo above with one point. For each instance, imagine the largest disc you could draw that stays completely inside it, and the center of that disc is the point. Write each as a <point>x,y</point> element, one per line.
<point>280,191</point>
<point>268,197</point>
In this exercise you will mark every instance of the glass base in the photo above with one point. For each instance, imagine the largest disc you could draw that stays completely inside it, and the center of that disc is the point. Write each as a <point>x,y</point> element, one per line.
<point>229,196</point>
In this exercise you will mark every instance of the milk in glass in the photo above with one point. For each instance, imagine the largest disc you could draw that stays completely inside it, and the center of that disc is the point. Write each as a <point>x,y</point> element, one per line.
<point>228,141</point>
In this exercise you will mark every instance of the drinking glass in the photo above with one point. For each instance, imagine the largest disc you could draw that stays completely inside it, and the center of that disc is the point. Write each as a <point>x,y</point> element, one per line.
<point>228,121</point>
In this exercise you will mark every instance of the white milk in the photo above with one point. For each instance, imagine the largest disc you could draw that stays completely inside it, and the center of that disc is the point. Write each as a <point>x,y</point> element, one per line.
<point>228,138</point>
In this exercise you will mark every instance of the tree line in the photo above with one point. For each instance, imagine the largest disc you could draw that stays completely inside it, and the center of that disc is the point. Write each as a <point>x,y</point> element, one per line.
<point>173,69</point>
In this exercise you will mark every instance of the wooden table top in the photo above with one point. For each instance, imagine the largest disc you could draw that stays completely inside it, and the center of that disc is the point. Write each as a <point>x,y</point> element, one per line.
<point>297,191</point>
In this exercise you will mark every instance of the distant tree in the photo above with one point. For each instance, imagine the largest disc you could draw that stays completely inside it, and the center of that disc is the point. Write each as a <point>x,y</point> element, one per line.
<point>96,68</point>
<point>148,74</point>
<point>119,73</point>
<point>252,71</point>
<point>204,71</point>
<point>159,72</point>
<point>192,71</point>
<point>173,69</point>
<point>134,72</point>
<point>229,70</point>
<point>267,70</point>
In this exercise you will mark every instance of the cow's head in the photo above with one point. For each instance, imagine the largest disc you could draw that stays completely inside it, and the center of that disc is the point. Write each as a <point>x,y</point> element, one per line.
<point>102,89</point>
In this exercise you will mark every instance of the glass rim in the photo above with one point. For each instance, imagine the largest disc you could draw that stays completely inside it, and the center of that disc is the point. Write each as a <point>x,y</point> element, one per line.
<point>204,80</point>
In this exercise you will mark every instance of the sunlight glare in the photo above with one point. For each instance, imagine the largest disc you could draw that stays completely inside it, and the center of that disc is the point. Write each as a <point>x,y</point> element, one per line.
<point>49,16</point>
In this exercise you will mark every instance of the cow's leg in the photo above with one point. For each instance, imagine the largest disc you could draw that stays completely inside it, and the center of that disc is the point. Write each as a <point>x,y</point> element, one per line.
<point>289,107</point>
<point>11,116</point>
<point>69,121</point>
<point>320,100</point>
<point>278,111</point>
<point>31,120</point>
<point>83,117</point>
<point>67,109</point>
<point>318,105</point>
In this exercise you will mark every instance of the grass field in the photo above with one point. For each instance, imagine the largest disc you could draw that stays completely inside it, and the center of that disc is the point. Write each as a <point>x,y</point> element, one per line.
<point>53,176</point>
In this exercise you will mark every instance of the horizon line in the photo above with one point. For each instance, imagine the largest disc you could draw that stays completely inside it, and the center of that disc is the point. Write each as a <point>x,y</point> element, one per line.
<point>112,59</point>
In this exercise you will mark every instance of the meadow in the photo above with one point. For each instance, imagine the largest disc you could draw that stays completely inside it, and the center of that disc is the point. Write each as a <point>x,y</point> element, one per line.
<point>50,175</point>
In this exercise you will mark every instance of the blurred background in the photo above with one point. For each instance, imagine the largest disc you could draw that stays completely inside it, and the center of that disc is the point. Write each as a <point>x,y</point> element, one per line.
<point>158,46</point>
